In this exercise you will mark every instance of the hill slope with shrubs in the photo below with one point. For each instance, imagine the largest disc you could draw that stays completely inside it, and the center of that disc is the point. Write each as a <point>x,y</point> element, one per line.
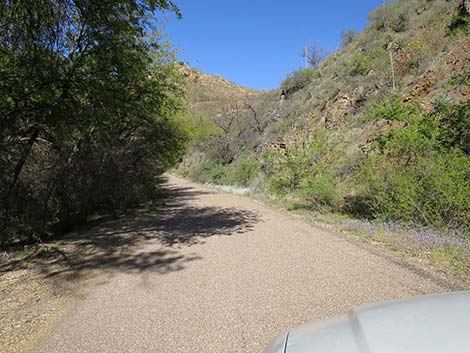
<point>380,130</point>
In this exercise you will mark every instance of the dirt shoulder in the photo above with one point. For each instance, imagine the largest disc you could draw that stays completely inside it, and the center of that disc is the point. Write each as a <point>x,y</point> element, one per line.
<point>45,282</point>
<point>31,303</point>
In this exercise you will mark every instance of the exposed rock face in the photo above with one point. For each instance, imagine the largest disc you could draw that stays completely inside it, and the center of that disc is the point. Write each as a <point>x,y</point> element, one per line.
<point>337,110</point>
<point>457,62</point>
<point>344,104</point>
<point>421,87</point>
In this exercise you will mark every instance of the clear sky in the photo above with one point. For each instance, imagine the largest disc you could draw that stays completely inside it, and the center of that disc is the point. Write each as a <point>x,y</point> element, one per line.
<point>257,43</point>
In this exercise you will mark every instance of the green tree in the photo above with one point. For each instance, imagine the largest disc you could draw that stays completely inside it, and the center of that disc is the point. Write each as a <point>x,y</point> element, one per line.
<point>87,92</point>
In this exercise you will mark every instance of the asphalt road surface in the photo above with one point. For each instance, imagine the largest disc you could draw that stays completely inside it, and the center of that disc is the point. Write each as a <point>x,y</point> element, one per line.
<point>223,273</point>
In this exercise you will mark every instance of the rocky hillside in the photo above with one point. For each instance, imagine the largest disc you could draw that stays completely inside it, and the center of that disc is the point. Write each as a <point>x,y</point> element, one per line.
<point>354,133</point>
<point>207,93</point>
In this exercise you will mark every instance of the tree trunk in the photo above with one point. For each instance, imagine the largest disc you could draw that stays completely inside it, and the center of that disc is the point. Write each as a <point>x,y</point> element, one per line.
<point>18,168</point>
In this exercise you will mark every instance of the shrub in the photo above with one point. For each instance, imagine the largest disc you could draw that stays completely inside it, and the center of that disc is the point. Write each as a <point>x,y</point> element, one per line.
<point>243,172</point>
<point>348,36</point>
<point>460,21</point>
<point>454,123</point>
<point>415,55</point>
<point>297,80</point>
<point>361,64</point>
<point>200,129</point>
<point>391,107</point>
<point>463,77</point>
<point>431,191</point>
<point>320,190</point>
<point>419,175</point>
<point>288,176</point>
<point>392,16</point>
<point>287,169</point>
<point>209,172</point>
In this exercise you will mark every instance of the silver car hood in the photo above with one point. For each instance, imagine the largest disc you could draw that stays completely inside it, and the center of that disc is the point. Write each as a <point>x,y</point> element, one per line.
<point>430,324</point>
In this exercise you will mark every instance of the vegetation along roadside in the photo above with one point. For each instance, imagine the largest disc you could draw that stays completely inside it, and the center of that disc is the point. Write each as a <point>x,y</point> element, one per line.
<point>374,136</point>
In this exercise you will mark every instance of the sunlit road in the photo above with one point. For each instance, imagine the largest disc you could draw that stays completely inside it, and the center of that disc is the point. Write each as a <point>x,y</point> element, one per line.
<point>223,273</point>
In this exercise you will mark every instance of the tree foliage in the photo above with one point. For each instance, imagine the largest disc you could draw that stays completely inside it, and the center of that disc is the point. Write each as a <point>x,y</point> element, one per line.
<point>87,93</point>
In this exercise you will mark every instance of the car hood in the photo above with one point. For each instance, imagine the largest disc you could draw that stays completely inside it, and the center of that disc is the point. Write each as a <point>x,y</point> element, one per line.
<point>429,324</point>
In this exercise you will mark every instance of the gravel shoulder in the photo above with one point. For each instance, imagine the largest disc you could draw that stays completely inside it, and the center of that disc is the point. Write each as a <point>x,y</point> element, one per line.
<point>208,272</point>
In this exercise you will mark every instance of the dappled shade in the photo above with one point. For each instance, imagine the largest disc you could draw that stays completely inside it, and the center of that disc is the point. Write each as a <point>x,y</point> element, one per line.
<point>148,240</point>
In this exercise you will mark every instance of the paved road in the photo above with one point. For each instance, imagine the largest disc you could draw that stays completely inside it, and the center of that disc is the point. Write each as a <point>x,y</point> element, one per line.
<point>222,273</point>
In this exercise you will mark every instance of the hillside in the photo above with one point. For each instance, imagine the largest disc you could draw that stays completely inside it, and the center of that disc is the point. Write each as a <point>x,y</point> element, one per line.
<point>221,116</point>
<point>380,130</point>
<point>207,92</point>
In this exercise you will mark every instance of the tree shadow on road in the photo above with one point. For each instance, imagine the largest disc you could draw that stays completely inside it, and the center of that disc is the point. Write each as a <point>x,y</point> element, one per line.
<point>147,240</point>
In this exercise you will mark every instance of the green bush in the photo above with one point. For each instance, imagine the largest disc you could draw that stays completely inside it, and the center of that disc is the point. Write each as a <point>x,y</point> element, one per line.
<point>243,172</point>
<point>209,172</point>
<point>320,190</point>
<point>391,107</point>
<point>431,191</point>
<point>460,21</point>
<point>288,169</point>
<point>361,64</point>
<point>287,174</point>
<point>454,123</point>
<point>420,174</point>
<point>463,77</point>
<point>392,16</point>
<point>297,80</point>
<point>199,129</point>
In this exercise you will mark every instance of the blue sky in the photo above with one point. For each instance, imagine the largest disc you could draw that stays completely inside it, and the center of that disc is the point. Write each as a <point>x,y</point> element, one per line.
<point>257,43</point>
